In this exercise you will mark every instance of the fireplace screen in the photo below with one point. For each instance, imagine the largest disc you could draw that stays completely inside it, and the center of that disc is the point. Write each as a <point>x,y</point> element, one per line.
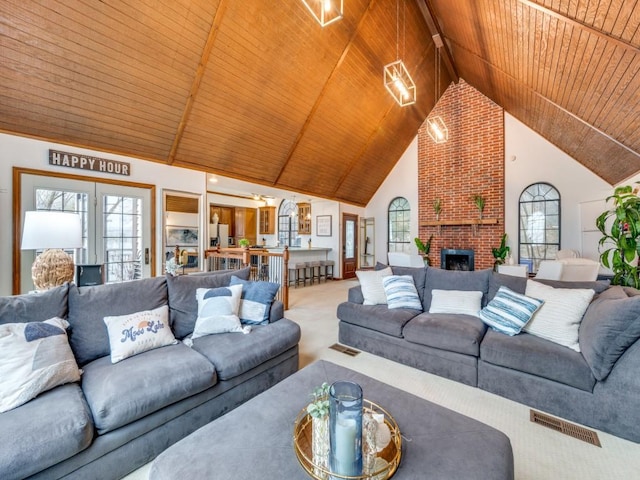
<point>451,259</point>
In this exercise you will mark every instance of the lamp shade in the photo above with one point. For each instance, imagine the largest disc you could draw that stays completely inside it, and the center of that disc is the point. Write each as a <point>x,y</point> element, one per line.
<point>45,229</point>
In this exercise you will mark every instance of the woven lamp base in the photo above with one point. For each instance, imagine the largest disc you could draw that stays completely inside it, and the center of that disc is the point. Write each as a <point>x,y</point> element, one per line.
<point>52,268</point>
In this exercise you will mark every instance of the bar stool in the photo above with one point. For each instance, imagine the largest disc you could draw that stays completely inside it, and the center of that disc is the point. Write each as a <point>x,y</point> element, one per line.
<point>328,268</point>
<point>297,274</point>
<point>314,271</point>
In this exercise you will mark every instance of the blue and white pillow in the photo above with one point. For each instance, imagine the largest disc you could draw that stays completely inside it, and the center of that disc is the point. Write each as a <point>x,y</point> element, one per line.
<point>401,292</point>
<point>509,311</point>
<point>256,300</point>
<point>217,311</point>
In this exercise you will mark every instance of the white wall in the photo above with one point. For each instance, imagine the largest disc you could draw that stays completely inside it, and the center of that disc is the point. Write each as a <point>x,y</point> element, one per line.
<point>402,181</point>
<point>34,154</point>
<point>536,160</point>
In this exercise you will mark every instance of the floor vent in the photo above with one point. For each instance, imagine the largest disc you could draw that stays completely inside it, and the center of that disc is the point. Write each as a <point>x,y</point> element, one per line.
<point>346,350</point>
<point>565,427</point>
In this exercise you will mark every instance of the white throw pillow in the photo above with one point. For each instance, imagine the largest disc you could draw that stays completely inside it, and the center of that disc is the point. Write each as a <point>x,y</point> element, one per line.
<point>372,287</point>
<point>466,302</point>
<point>138,332</point>
<point>34,357</point>
<point>218,311</point>
<point>558,319</point>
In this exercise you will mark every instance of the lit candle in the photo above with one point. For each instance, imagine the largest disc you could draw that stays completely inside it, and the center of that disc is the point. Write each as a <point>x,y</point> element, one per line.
<point>345,442</point>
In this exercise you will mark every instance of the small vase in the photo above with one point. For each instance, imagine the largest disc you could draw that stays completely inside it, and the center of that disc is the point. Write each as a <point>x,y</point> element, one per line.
<point>345,426</point>
<point>320,444</point>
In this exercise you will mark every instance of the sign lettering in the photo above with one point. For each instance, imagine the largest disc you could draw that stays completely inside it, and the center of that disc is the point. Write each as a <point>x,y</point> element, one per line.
<point>85,162</point>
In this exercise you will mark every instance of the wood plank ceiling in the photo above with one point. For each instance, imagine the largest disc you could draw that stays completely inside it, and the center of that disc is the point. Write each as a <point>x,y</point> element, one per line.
<point>257,90</point>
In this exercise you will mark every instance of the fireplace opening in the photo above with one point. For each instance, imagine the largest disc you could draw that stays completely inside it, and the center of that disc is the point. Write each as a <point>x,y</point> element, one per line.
<point>454,259</point>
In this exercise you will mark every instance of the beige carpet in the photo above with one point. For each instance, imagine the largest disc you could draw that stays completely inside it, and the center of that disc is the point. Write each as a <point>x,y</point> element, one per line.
<point>539,453</point>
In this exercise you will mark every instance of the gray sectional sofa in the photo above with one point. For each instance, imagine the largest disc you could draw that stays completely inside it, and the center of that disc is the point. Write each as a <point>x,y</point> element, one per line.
<point>120,416</point>
<point>598,386</point>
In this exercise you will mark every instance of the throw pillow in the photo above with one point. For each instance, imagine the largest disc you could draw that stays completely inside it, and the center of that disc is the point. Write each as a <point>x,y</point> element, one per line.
<point>466,302</point>
<point>371,284</point>
<point>509,311</point>
<point>255,301</point>
<point>34,357</point>
<point>138,332</point>
<point>558,320</point>
<point>401,292</point>
<point>218,311</point>
<point>610,325</point>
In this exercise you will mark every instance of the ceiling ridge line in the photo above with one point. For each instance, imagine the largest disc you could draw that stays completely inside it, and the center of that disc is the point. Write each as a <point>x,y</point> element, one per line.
<point>197,79</point>
<point>316,104</point>
<point>429,16</point>
<point>581,25</point>
<point>549,101</point>
<point>366,144</point>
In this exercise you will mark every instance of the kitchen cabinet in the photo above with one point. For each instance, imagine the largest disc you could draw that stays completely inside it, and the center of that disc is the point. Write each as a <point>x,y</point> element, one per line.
<point>267,220</point>
<point>304,219</point>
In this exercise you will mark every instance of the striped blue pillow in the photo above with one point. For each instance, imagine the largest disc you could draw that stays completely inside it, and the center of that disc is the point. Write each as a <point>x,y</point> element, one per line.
<point>509,311</point>
<point>401,292</point>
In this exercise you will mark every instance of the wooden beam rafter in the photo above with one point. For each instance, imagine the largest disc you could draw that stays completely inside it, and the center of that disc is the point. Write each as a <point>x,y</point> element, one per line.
<point>438,37</point>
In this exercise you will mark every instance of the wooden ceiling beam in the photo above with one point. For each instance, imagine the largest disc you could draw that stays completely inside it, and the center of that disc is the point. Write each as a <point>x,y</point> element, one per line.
<point>438,37</point>
<point>197,79</point>
<point>583,26</point>
<point>318,101</point>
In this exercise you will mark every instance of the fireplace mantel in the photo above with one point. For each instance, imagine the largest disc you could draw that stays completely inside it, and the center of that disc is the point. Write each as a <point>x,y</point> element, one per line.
<point>453,223</point>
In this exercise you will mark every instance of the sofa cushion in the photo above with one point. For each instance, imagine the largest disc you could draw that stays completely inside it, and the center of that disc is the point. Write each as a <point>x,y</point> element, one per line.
<point>455,333</point>
<point>234,354</point>
<point>509,311</point>
<point>34,357</point>
<point>183,306</point>
<point>256,300</point>
<point>47,430</point>
<point>372,287</point>
<point>467,302</point>
<point>125,391</point>
<point>35,307</point>
<point>376,317</point>
<point>401,292</point>
<point>437,278</point>
<point>519,284</point>
<point>537,356</point>
<point>558,319</point>
<point>89,305</point>
<point>138,332</point>
<point>610,325</point>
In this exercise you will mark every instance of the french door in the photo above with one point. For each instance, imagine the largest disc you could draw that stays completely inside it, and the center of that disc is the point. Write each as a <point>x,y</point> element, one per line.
<point>349,245</point>
<point>116,224</point>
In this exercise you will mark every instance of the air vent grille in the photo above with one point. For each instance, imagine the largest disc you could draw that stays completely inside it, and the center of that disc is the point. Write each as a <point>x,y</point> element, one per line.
<point>565,427</point>
<point>346,350</point>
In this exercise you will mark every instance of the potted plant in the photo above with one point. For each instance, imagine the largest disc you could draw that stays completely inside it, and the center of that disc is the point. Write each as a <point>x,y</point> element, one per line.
<point>500,253</point>
<point>620,227</point>
<point>244,243</point>
<point>424,249</point>
<point>479,201</point>
<point>437,207</point>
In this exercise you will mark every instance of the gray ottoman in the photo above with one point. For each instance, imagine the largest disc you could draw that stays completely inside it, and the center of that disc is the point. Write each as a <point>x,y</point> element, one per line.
<point>255,441</point>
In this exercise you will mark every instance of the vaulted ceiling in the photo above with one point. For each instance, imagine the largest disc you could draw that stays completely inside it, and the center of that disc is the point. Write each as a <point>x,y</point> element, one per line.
<point>257,90</point>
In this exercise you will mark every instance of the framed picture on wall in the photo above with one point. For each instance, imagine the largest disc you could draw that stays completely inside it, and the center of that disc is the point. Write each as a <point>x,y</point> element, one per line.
<point>182,236</point>
<point>323,225</point>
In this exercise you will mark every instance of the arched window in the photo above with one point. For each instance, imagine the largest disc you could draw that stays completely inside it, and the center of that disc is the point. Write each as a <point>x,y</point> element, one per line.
<point>288,224</point>
<point>399,232</point>
<point>539,220</point>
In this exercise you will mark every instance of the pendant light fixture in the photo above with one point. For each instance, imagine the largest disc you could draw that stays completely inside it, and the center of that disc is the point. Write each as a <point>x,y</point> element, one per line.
<point>397,79</point>
<point>436,128</point>
<point>325,11</point>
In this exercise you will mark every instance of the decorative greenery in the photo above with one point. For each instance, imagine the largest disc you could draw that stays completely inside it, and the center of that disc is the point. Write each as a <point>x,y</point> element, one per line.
<point>623,232</point>
<point>500,253</point>
<point>319,406</point>
<point>437,206</point>
<point>244,243</point>
<point>479,201</point>
<point>424,248</point>
<point>172,267</point>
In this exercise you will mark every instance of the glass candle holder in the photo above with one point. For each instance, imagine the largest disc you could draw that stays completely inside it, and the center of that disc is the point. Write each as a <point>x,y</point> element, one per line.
<point>345,426</point>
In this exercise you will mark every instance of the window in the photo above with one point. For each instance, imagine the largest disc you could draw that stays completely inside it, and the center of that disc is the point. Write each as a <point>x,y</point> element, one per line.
<point>288,224</point>
<point>399,232</point>
<point>539,220</point>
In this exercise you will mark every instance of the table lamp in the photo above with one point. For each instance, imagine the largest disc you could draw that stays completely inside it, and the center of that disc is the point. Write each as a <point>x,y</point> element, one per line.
<point>51,231</point>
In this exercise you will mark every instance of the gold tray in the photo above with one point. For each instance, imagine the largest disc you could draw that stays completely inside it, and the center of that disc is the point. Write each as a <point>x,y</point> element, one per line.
<point>302,435</point>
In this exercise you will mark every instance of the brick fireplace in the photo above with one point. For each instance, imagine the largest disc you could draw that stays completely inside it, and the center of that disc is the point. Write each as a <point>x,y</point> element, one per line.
<point>455,259</point>
<point>470,162</point>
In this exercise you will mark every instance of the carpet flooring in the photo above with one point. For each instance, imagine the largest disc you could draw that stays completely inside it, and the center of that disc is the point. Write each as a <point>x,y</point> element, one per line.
<point>540,453</point>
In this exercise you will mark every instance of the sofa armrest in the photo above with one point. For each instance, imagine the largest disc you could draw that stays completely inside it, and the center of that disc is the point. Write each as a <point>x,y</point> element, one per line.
<point>276,312</point>
<point>355,295</point>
